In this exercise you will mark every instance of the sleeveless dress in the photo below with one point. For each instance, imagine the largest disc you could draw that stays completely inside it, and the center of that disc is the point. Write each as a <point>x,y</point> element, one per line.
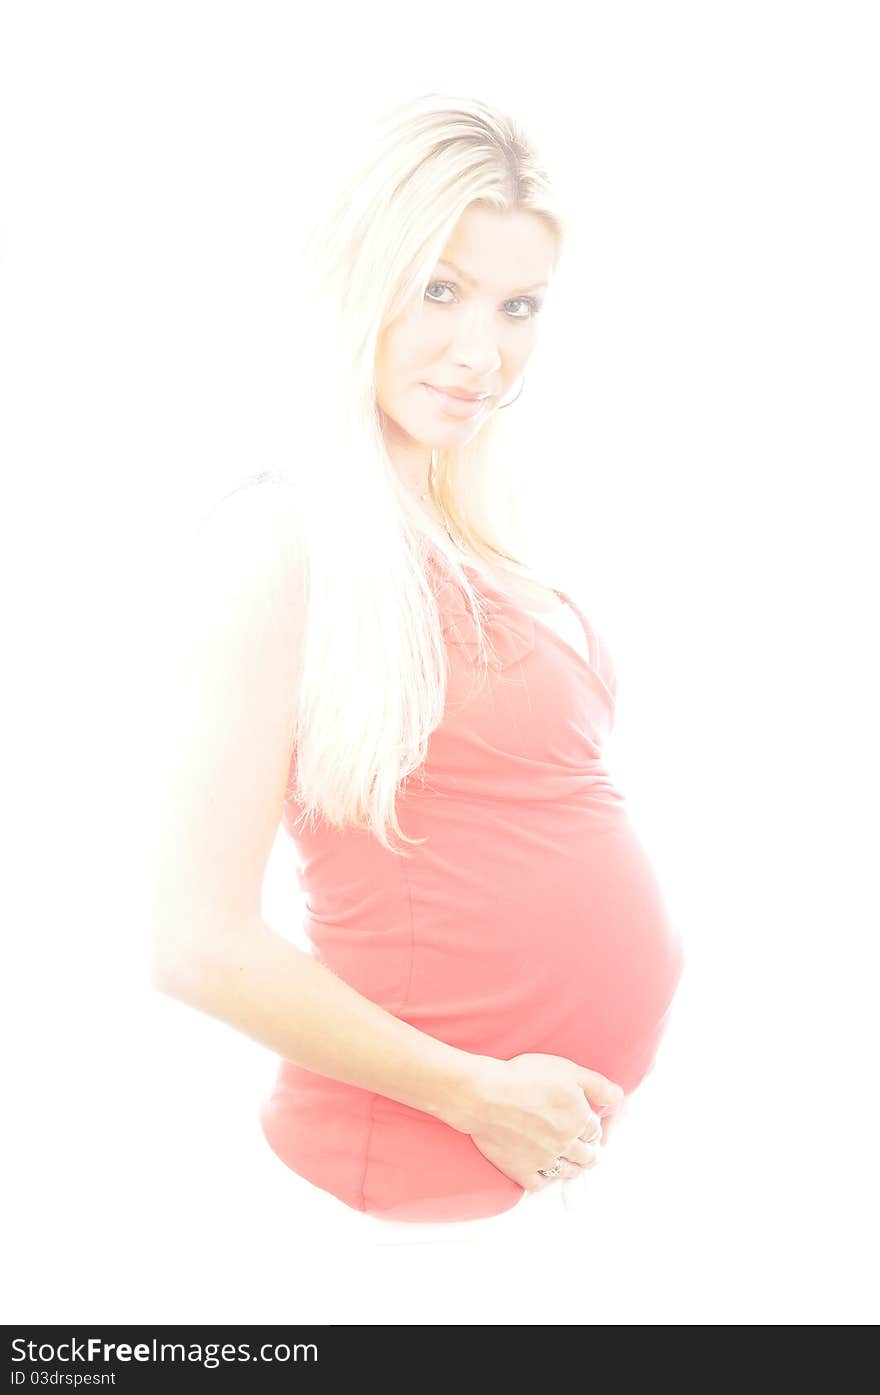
<point>529,921</point>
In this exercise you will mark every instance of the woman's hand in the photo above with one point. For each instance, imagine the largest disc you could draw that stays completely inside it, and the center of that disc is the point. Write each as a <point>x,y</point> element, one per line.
<point>527,1112</point>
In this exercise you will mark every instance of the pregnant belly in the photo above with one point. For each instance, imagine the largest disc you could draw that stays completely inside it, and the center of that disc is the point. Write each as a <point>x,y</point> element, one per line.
<point>581,962</point>
<point>568,949</point>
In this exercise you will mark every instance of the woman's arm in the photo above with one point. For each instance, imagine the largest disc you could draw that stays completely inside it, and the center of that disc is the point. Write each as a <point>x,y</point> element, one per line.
<point>282,997</point>
<point>223,761</point>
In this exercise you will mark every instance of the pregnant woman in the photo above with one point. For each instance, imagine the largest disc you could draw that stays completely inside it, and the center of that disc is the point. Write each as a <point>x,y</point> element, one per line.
<point>367,659</point>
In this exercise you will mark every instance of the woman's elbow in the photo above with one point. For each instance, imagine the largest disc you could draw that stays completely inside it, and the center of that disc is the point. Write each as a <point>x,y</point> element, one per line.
<point>194,967</point>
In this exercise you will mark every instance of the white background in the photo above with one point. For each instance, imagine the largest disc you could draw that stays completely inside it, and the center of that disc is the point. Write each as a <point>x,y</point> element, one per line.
<point>700,431</point>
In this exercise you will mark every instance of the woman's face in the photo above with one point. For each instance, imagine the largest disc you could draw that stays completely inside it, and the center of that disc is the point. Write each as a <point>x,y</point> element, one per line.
<point>474,330</point>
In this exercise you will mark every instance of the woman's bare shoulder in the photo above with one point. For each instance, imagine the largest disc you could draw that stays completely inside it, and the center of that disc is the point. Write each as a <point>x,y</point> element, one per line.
<point>238,577</point>
<point>267,499</point>
<point>257,525</point>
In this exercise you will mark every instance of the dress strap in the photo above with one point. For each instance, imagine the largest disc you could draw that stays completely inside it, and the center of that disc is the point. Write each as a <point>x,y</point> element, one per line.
<point>600,654</point>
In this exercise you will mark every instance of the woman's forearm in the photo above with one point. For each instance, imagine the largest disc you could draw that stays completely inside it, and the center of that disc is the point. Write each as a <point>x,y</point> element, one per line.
<point>290,1002</point>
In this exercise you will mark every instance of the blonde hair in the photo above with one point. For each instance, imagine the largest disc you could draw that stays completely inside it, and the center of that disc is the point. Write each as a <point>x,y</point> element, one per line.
<point>373,679</point>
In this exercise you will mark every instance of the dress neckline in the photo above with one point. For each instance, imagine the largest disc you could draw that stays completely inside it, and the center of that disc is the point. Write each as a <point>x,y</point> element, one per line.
<point>589,664</point>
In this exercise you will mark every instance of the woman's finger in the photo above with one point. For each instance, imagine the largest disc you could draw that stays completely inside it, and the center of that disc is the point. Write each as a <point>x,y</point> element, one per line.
<point>569,1171</point>
<point>611,1121</point>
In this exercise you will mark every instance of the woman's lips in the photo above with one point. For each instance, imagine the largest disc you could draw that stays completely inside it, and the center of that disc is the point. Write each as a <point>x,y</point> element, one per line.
<point>461,407</point>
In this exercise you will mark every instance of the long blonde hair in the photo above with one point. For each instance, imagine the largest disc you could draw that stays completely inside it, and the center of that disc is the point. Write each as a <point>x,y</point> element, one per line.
<point>373,679</point>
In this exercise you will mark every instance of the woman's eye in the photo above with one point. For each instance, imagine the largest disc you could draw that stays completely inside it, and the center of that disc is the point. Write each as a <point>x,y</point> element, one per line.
<point>442,286</point>
<point>528,300</point>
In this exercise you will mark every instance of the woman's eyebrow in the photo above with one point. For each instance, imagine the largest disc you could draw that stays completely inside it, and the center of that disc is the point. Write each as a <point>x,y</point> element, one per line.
<point>471,281</point>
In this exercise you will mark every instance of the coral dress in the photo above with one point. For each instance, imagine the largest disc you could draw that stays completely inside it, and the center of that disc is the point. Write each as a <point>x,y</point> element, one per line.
<point>530,920</point>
